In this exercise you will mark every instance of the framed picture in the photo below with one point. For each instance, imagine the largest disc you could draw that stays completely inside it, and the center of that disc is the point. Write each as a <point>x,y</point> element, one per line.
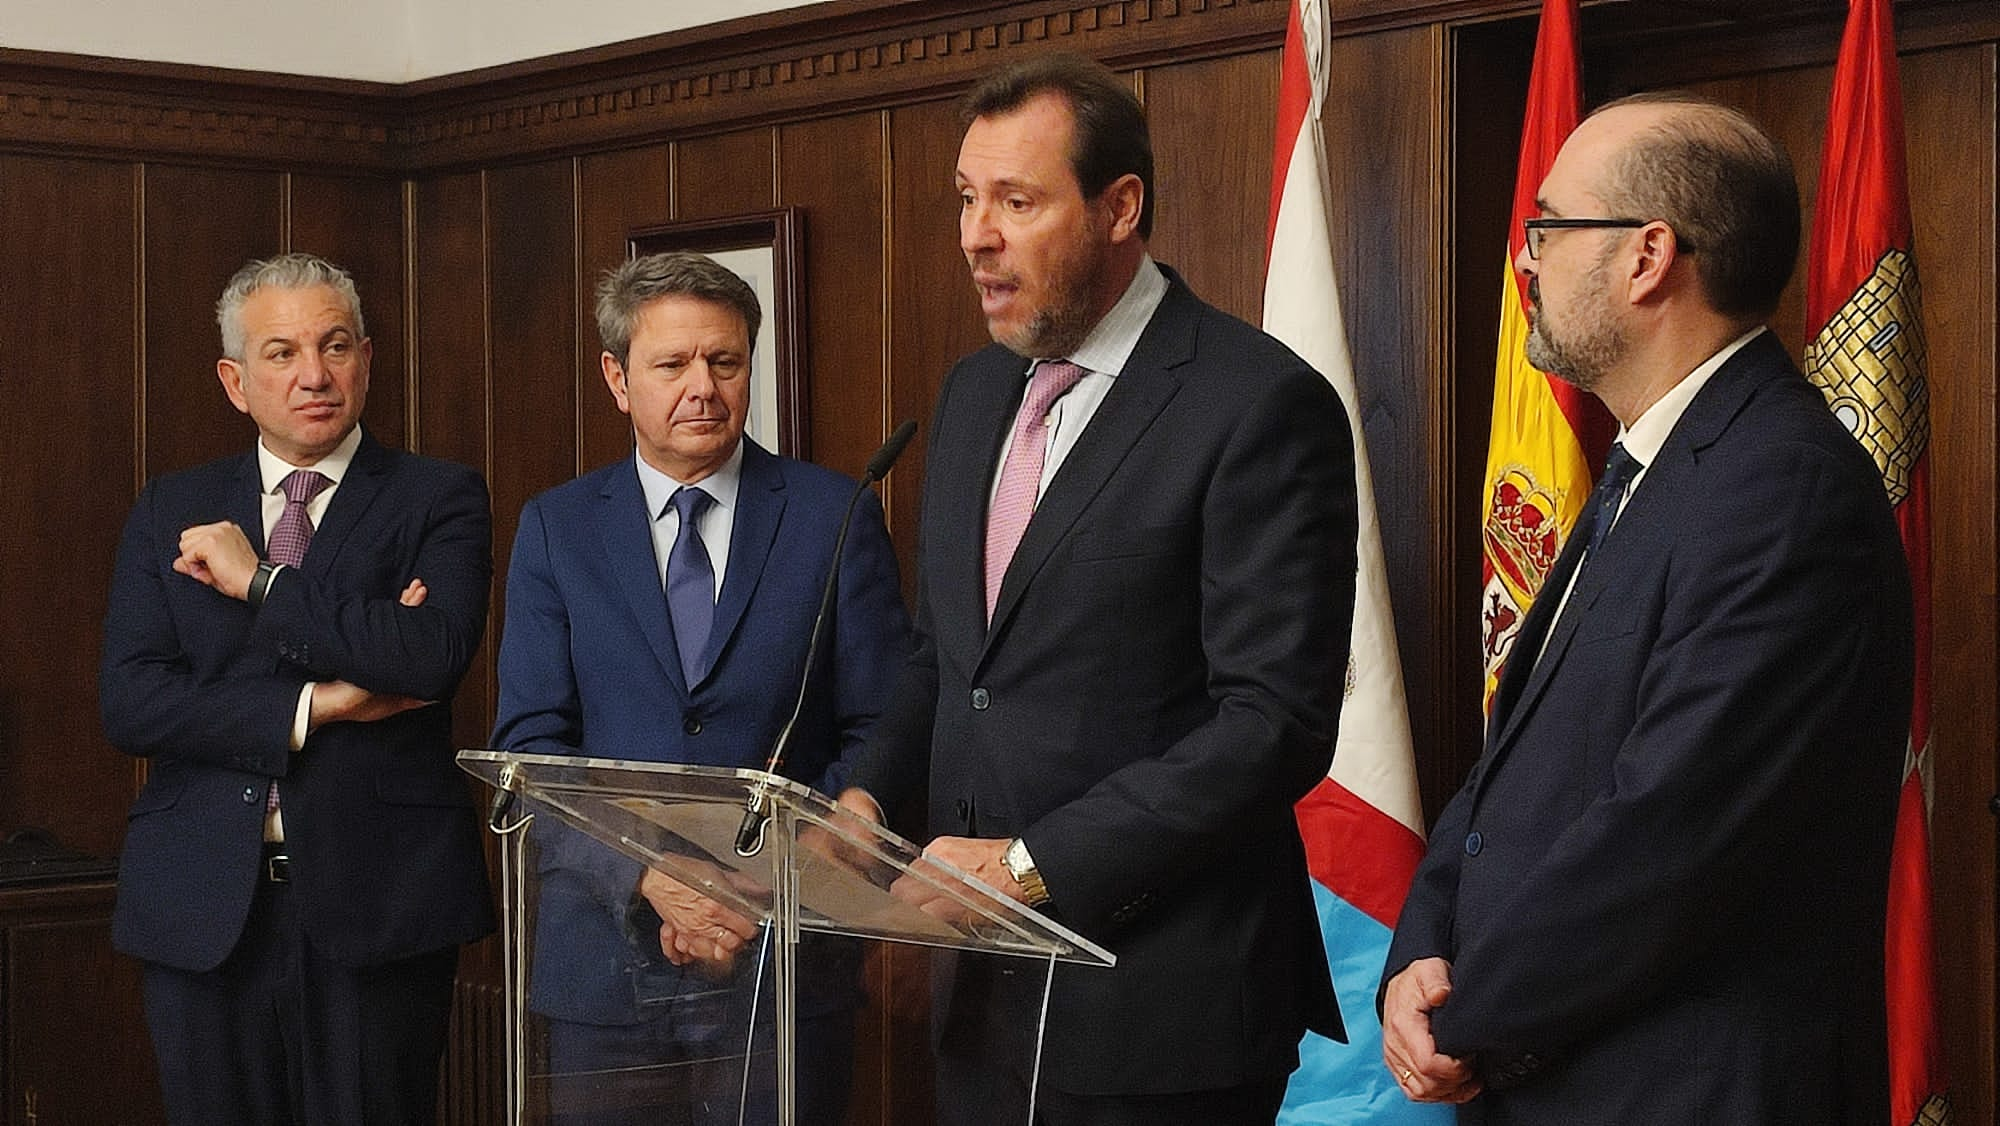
<point>763,249</point>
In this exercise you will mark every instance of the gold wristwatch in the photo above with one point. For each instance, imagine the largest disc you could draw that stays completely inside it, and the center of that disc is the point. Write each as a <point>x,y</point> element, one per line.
<point>1022,867</point>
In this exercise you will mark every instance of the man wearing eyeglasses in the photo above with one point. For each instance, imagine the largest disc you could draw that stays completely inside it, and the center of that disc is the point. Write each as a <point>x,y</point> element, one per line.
<point>1659,897</point>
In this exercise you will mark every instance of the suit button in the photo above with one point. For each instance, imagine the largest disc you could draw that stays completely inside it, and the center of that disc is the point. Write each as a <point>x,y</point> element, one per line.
<point>249,794</point>
<point>981,699</point>
<point>691,725</point>
<point>1473,843</point>
<point>964,809</point>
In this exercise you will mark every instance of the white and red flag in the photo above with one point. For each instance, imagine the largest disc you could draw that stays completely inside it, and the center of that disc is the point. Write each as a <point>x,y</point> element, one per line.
<point>1363,826</point>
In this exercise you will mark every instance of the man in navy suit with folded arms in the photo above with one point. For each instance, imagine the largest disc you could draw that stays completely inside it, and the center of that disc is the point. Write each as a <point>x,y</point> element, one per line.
<point>659,609</point>
<point>285,631</point>
<point>1660,896</point>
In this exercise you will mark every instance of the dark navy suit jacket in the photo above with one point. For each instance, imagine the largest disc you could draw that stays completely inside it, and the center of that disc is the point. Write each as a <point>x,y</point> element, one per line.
<point>588,666</point>
<point>1160,683</point>
<point>378,819</point>
<point>1663,886</point>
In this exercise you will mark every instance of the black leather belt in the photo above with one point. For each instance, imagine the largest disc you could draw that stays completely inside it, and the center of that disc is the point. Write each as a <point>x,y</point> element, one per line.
<point>277,866</point>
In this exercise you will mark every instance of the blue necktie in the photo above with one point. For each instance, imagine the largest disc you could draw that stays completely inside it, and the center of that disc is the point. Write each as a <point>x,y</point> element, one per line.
<point>1619,469</point>
<point>691,584</point>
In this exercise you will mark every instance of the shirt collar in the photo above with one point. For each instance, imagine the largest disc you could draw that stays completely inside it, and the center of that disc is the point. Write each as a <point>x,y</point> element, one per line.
<point>1648,433</point>
<point>272,469</point>
<point>722,485</point>
<point>1112,339</point>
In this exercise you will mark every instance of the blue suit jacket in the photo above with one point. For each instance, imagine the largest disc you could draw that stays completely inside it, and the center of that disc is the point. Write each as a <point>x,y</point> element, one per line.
<point>588,666</point>
<point>378,819</point>
<point>1663,886</point>
<point>1159,684</point>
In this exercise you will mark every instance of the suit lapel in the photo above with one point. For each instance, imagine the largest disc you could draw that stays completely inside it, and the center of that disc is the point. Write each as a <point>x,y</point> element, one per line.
<point>625,528</point>
<point>246,502</point>
<point>1136,398</point>
<point>985,394</point>
<point>343,513</point>
<point>1529,645</point>
<point>760,508</point>
<point>1653,508</point>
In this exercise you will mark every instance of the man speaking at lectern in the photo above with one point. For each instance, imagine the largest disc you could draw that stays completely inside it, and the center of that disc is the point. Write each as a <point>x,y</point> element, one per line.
<point>659,609</point>
<point>1137,554</point>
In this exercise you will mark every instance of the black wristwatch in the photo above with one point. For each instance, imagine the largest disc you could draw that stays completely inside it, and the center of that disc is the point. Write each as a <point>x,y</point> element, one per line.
<point>260,583</point>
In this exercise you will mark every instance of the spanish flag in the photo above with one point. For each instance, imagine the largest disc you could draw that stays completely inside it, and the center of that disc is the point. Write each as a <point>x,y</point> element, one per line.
<point>1865,349</point>
<point>1546,435</point>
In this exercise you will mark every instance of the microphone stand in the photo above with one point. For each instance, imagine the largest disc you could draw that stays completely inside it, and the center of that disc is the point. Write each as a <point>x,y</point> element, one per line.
<point>757,813</point>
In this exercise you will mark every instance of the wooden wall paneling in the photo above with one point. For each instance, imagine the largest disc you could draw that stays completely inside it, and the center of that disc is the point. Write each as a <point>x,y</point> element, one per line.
<point>726,174</point>
<point>531,324</point>
<point>1489,85</point>
<point>1951,125</point>
<point>1214,125</point>
<point>618,192</point>
<point>453,408</point>
<point>75,1043</point>
<point>69,351</point>
<point>357,222</point>
<point>201,225</point>
<point>1384,121</point>
<point>933,312</point>
<point>788,66</point>
<point>448,354</point>
<point>835,172</point>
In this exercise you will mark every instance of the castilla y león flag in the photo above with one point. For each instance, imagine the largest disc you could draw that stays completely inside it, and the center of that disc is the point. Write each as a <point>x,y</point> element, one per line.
<point>1865,350</point>
<point>1546,435</point>
<point>1363,825</point>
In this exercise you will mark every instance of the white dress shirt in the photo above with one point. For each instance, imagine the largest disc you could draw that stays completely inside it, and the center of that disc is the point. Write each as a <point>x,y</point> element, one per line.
<point>716,523</point>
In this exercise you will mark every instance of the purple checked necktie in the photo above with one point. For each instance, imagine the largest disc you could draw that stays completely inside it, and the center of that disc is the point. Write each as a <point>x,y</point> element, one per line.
<point>289,539</point>
<point>1021,478</point>
<point>294,529</point>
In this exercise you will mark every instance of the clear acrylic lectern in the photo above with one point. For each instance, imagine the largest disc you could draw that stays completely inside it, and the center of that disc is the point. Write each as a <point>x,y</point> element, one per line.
<point>817,871</point>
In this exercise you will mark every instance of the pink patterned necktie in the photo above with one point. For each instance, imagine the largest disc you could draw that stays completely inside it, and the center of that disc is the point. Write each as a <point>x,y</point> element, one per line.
<point>289,538</point>
<point>1021,477</point>
<point>294,530</point>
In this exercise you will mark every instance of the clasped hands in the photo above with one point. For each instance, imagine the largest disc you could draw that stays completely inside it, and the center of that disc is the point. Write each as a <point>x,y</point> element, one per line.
<point>219,556</point>
<point>1425,1074</point>
<point>695,929</point>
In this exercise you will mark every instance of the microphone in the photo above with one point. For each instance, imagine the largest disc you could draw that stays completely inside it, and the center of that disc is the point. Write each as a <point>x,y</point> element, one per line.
<point>757,815</point>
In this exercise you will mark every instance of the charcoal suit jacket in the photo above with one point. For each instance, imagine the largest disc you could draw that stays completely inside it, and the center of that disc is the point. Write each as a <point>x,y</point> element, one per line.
<point>379,821</point>
<point>1662,887</point>
<point>1159,683</point>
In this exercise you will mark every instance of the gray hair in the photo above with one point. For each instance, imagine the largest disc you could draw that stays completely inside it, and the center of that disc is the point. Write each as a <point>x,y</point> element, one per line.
<point>286,271</point>
<point>629,287</point>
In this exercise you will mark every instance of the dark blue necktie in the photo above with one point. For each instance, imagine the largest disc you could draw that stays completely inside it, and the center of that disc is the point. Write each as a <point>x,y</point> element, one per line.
<point>691,584</point>
<point>1619,469</point>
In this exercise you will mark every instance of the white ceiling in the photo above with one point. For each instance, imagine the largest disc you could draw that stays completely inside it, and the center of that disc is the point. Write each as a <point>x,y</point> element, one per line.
<point>377,40</point>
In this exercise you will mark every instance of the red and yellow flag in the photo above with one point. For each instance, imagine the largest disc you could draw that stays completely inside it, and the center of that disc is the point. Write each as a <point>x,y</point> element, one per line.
<point>1546,435</point>
<point>1866,351</point>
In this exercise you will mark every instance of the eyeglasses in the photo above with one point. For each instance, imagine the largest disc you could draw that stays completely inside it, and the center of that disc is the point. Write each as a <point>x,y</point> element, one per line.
<point>1537,229</point>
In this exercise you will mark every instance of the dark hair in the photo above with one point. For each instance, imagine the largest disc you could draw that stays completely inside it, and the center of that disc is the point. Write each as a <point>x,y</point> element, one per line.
<point>1111,135</point>
<point>627,288</point>
<point>1727,189</point>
